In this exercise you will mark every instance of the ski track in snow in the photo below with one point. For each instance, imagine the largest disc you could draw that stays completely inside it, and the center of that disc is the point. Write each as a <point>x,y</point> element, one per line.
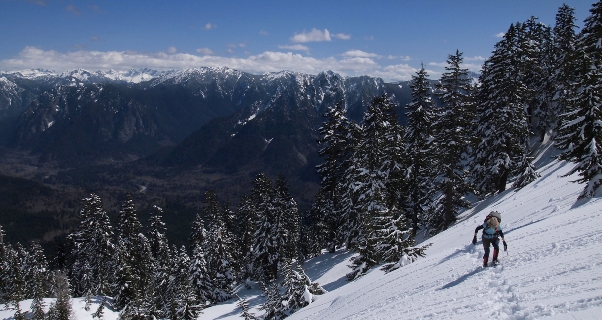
<point>552,269</point>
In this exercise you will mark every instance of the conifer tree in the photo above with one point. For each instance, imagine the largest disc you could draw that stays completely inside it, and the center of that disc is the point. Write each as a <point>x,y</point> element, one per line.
<point>247,216</point>
<point>160,254</point>
<point>38,280</point>
<point>133,273</point>
<point>62,308</point>
<point>273,307</point>
<point>299,291</point>
<point>219,250</point>
<point>372,178</point>
<point>336,149</point>
<point>287,226</point>
<point>4,267</point>
<point>419,148</point>
<point>16,285</point>
<point>580,134</point>
<point>503,124</point>
<point>92,254</point>
<point>564,62</point>
<point>264,247</point>
<point>243,304</point>
<point>182,301</point>
<point>366,182</point>
<point>453,137</point>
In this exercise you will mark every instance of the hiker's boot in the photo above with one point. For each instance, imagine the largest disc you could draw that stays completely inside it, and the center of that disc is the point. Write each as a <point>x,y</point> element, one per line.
<point>495,254</point>
<point>485,259</point>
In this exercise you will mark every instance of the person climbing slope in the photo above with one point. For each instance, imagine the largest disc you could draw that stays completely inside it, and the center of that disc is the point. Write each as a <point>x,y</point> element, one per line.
<point>492,231</point>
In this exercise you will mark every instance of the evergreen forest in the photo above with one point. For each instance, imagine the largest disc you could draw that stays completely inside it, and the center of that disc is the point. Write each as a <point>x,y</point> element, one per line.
<point>383,185</point>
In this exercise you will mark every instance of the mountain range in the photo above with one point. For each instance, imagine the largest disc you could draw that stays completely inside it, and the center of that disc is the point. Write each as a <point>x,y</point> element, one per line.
<point>172,134</point>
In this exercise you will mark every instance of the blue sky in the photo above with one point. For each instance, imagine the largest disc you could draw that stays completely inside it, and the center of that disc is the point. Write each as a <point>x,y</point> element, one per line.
<point>389,39</point>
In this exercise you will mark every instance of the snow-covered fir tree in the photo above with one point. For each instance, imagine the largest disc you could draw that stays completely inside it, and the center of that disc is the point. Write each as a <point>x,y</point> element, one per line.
<point>247,215</point>
<point>134,254</point>
<point>219,249</point>
<point>38,280</point>
<point>61,308</point>
<point>273,307</point>
<point>160,254</point>
<point>243,304</point>
<point>287,223</point>
<point>182,301</point>
<point>335,149</point>
<point>419,149</point>
<point>564,54</point>
<point>92,266</point>
<point>453,137</point>
<point>265,251</point>
<point>15,282</point>
<point>299,290</point>
<point>503,124</point>
<point>372,177</point>
<point>199,277</point>
<point>581,132</point>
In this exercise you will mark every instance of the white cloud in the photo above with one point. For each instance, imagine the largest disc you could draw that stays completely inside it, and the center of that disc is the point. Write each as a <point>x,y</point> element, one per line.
<point>204,51</point>
<point>397,72</point>
<point>94,38</point>
<point>500,35</point>
<point>314,35</point>
<point>438,64</point>
<point>359,53</point>
<point>263,33</point>
<point>296,47</point>
<point>475,58</point>
<point>172,50</point>
<point>209,26</point>
<point>269,61</point>
<point>342,36</point>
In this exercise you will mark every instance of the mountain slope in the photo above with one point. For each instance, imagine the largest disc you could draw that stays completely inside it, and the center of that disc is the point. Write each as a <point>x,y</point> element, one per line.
<point>551,269</point>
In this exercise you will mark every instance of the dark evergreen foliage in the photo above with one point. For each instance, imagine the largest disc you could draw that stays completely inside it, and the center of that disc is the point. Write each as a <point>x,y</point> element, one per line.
<point>419,150</point>
<point>581,131</point>
<point>453,136</point>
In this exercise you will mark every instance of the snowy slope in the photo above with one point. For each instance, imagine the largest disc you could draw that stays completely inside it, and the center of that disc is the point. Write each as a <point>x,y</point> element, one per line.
<point>552,270</point>
<point>552,267</point>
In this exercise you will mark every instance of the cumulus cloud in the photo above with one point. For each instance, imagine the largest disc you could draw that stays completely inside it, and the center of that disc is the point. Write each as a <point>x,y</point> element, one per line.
<point>269,61</point>
<point>342,36</point>
<point>360,53</point>
<point>295,47</point>
<point>500,35</point>
<point>172,49</point>
<point>204,51</point>
<point>314,35</point>
<point>263,33</point>
<point>475,58</point>
<point>398,72</point>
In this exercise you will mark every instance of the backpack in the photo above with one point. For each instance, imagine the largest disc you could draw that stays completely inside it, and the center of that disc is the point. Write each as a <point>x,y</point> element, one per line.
<point>493,220</point>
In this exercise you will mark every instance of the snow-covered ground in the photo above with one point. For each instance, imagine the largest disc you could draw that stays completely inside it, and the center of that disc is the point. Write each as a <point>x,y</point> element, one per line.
<point>552,269</point>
